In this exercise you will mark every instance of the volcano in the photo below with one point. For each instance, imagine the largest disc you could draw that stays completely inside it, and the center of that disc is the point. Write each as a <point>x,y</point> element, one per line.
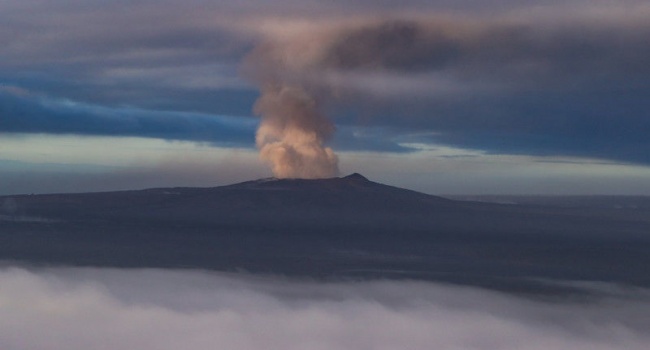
<point>348,227</point>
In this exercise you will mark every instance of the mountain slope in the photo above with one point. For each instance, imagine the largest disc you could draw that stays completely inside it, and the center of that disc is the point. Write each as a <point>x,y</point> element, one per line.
<point>337,227</point>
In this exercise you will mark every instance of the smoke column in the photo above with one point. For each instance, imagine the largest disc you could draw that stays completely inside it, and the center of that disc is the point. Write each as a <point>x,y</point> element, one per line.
<point>292,133</point>
<point>300,70</point>
<point>298,73</point>
<point>294,130</point>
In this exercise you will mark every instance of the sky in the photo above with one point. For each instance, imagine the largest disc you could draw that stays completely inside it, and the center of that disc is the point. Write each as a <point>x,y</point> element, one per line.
<point>440,96</point>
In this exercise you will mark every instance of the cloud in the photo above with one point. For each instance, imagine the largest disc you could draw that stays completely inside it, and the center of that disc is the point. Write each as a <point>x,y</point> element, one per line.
<point>26,113</point>
<point>72,308</point>
<point>161,55</point>
<point>546,83</point>
<point>537,77</point>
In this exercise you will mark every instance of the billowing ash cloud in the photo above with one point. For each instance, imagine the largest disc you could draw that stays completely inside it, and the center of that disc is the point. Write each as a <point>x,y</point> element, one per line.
<point>403,45</point>
<point>292,133</point>
<point>293,128</point>
<point>291,71</point>
<point>550,83</point>
<point>508,51</point>
<point>75,309</point>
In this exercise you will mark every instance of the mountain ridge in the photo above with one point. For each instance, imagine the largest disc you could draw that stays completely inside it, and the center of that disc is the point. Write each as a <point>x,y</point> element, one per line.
<point>327,227</point>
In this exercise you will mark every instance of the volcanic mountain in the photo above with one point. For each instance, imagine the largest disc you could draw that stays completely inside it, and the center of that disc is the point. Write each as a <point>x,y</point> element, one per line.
<point>338,228</point>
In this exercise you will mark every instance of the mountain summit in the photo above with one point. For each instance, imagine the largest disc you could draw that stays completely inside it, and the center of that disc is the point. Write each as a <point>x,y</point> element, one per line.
<point>356,177</point>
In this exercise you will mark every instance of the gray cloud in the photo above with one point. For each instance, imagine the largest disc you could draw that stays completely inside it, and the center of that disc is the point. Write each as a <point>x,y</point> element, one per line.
<point>510,54</point>
<point>25,113</point>
<point>148,54</point>
<point>552,84</point>
<point>158,309</point>
<point>539,77</point>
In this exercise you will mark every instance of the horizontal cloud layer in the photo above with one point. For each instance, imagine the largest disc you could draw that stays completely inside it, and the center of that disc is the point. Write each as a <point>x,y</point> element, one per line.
<point>25,113</point>
<point>156,309</point>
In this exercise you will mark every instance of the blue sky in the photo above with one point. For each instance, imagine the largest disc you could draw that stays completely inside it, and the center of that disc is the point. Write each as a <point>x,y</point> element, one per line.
<point>439,96</point>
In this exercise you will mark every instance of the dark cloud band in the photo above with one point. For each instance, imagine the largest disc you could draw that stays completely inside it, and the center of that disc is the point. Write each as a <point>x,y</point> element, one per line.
<point>28,114</point>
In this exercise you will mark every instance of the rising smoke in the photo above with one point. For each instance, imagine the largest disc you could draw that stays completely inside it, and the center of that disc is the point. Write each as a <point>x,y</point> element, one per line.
<point>292,133</point>
<point>303,71</point>
<point>293,128</point>
<point>299,74</point>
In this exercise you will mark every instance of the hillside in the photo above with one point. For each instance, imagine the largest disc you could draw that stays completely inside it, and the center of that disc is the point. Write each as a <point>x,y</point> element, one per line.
<point>330,228</point>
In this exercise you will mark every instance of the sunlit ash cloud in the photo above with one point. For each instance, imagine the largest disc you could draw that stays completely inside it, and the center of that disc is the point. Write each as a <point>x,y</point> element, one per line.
<point>293,128</point>
<point>292,133</point>
<point>501,67</point>
<point>72,308</point>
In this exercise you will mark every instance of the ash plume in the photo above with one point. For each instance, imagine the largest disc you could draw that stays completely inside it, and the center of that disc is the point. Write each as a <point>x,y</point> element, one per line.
<point>299,72</point>
<point>421,65</point>
<point>292,133</point>
<point>293,130</point>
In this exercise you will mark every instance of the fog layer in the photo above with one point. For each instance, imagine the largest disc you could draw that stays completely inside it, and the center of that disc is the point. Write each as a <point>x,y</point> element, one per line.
<point>160,309</point>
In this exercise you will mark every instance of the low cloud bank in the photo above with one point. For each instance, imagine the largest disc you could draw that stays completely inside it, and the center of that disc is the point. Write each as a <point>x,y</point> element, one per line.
<point>25,113</point>
<point>72,308</point>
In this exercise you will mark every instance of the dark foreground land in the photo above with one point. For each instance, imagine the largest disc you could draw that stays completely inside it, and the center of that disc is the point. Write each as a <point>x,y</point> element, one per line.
<point>337,228</point>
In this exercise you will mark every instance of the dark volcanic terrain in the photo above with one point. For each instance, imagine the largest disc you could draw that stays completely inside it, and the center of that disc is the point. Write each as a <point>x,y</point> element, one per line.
<point>346,227</point>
